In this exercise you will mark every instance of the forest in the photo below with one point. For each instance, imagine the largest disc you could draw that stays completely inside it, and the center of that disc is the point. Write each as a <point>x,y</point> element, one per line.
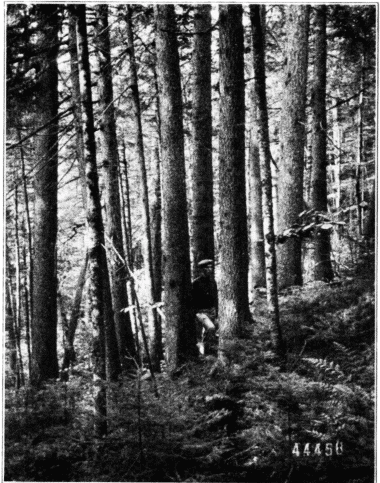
<point>189,242</point>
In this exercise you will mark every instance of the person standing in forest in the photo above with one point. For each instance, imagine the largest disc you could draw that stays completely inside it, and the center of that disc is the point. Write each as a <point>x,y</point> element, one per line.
<point>205,298</point>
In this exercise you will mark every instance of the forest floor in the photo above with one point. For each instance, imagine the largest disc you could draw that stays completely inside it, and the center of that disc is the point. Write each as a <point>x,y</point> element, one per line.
<point>252,421</point>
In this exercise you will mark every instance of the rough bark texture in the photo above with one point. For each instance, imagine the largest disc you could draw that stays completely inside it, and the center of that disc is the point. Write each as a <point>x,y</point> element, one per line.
<point>266,178</point>
<point>180,325</point>
<point>154,324</point>
<point>293,134</point>
<point>110,161</point>
<point>44,363</point>
<point>97,269</point>
<point>256,231</point>
<point>323,269</point>
<point>233,287</point>
<point>76,103</point>
<point>202,218</point>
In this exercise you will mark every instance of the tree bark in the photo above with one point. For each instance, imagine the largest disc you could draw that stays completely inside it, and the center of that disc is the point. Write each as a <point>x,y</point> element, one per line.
<point>154,324</point>
<point>266,180</point>
<point>110,161</point>
<point>44,364</point>
<point>202,218</point>
<point>180,323</point>
<point>99,290</point>
<point>323,269</point>
<point>256,230</point>
<point>233,289</point>
<point>293,135</point>
<point>76,105</point>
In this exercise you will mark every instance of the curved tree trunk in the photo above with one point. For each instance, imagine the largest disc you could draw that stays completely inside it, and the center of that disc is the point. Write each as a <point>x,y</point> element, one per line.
<point>293,135</point>
<point>180,324</point>
<point>44,363</point>
<point>202,217</point>
<point>323,269</point>
<point>110,162</point>
<point>233,289</point>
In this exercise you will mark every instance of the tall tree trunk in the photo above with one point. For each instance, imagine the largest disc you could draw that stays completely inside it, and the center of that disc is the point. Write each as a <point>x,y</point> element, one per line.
<point>233,290</point>
<point>358,174</point>
<point>110,162</point>
<point>203,218</point>
<point>257,253</point>
<point>256,230</point>
<point>266,178</point>
<point>323,269</point>
<point>293,135</point>
<point>180,323</point>
<point>337,141</point>
<point>12,338</point>
<point>28,262</point>
<point>18,317</point>
<point>155,333</point>
<point>127,212</point>
<point>99,290</point>
<point>156,218</point>
<point>44,364</point>
<point>76,104</point>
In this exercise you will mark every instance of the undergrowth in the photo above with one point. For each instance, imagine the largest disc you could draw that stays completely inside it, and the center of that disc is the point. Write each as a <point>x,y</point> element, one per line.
<point>250,422</point>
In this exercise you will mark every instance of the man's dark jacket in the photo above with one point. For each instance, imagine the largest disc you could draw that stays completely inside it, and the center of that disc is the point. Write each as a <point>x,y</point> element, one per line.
<point>205,294</point>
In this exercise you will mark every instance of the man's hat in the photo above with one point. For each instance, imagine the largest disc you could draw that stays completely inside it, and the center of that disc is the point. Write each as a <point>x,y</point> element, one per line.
<point>205,263</point>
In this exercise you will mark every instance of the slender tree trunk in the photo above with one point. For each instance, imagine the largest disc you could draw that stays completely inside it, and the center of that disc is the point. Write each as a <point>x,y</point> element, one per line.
<point>12,338</point>
<point>233,289</point>
<point>257,254</point>
<point>266,178</point>
<point>28,261</point>
<point>337,140</point>
<point>44,363</point>
<point>293,135</point>
<point>27,311</point>
<point>110,162</point>
<point>76,104</point>
<point>156,218</point>
<point>18,317</point>
<point>180,323</point>
<point>129,239</point>
<point>155,334</point>
<point>98,273</point>
<point>203,218</point>
<point>323,269</point>
<point>358,174</point>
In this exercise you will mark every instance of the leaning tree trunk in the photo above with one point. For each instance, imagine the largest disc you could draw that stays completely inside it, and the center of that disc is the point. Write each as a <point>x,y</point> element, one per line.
<point>293,135</point>
<point>202,217</point>
<point>180,323</point>
<point>233,290</point>
<point>99,291</point>
<point>155,332</point>
<point>44,363</point>
<point>266,177</point>
<point>110,162</point>
<point>323,269</point>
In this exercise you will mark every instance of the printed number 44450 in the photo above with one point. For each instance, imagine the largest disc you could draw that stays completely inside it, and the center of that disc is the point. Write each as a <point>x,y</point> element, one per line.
<point>317,449</point>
